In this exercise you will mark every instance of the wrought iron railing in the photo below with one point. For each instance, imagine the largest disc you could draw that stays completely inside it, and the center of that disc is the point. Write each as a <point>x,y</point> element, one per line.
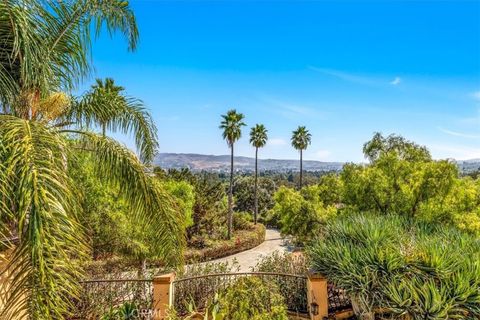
<point>112,299</point>
<point>198,290</point>
<point>337,300</point>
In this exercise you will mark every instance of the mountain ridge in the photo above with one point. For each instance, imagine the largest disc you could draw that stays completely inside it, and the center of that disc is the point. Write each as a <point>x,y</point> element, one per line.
<point>199,162</point>
<point>221,163</point>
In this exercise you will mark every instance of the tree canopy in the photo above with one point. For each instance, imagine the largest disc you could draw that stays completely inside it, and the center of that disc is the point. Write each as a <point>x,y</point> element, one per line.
<point>44,129</point>
<point>231,126</point>
<point>401,179</point>
<point>258,136</point>
<point>301,138</point>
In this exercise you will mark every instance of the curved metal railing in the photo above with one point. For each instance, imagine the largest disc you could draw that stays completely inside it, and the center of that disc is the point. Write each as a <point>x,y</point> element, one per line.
<point>100,298</point>
<point>199,290</point>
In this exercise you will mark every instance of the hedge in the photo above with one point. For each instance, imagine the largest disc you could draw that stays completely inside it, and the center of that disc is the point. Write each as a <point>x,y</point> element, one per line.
<point>241,240</point>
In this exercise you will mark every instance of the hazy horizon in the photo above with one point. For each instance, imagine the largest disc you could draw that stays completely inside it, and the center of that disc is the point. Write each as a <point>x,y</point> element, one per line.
<point>290,159</point>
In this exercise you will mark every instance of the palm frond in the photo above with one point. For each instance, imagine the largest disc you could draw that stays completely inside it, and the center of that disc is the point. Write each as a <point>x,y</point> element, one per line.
<point>41,266</point>
<point>71,21</point>
<point>232,123</point>
<point>150,203</point>
<point>106,106</point>
<point>21,52</point>
<point>301,138</point>
<point>46,45</point>
<point>258,136</point>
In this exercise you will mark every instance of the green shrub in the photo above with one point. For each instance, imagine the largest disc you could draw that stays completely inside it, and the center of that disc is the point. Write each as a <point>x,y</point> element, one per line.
<point>242,240</point>
<point>245,298</point>
<point>201,269</point>
<point>250,298</point>
<point>301,213</point>
<point>289,263</point>
<point>184,195</point>
<point>401,268</point>
<point>243,189</point>
<point>402,178</point>
<point>242,221</point>
<point>292,263</point>
<point>126,311</point>
<point>209,209</point>
<point>187,296</point>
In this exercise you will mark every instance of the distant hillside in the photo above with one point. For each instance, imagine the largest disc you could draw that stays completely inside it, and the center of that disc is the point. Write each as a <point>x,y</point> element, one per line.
<point>198,162</point>
<point>467,166</point>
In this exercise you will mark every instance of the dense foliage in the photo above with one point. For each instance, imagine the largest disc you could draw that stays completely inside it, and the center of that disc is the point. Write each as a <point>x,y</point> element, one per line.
<point>399,235</point>
<point>107,218</point>
<point>209,205</point>
<point>250,237</point>
<point>244,192</point>
<point>394,266</point>
<point>116,240</point>
<point>251,298</point>
<point>300,213</point>
<point>44,129</point>
<point>286,262</point>
<point>246,298</point>
<point>401,179</point>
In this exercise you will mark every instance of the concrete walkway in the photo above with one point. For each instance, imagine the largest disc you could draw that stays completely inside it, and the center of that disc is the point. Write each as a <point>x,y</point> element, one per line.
<point>249,258</point>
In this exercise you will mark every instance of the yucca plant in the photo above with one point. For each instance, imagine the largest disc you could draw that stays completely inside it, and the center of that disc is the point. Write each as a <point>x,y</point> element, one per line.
<point>394,267</point>
<point>44,53</point>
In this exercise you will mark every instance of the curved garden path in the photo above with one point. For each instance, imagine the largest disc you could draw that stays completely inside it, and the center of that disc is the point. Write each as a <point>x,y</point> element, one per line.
<point>249,258</point>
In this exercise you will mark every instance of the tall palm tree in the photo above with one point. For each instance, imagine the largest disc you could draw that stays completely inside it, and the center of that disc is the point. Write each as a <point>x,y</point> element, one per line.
<point>232,123</point>
<point>258,139</point>
<point>301,138</point>
<point>44,53</point>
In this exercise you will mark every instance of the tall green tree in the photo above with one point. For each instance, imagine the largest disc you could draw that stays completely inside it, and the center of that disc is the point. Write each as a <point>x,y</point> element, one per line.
<point>244,192</point>
<point>396,145</point>
<point>232,123</point>
<point>45,53</point>
<point>301,138</point>
<point>301,213</point>
<point>401,178</point>
<point>258,139</point>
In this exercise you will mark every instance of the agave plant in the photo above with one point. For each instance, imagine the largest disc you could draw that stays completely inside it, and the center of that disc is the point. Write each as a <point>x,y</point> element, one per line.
<point>45,52</point>
<point>126,311</point>
<point>401,269</point>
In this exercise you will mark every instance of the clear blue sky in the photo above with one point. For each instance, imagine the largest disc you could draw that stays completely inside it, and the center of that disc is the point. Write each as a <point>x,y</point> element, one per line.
<point>344,69</point>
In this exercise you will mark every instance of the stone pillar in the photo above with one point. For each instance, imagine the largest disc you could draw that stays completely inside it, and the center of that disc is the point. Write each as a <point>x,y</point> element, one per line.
<point>162,295</point>
<point>317,295</point>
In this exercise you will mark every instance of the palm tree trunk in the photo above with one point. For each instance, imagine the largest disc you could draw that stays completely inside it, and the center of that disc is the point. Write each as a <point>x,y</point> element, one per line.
<point>256,186</point>
<point>301,167</point>
<point>230,196</point>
